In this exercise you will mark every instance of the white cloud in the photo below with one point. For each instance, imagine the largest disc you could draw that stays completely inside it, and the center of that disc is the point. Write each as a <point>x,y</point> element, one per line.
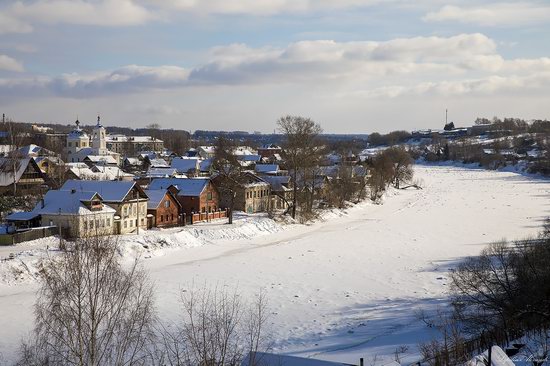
<point>260,7</point>
<point>83,12</point>
<point>10,64</point>
<point>9,24</point>
<point>442,65</point>
<point>495,14</point>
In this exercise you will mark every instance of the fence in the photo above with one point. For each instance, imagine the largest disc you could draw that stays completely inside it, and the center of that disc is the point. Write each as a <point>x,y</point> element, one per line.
<point>206,216</point>
<point>32,234</point>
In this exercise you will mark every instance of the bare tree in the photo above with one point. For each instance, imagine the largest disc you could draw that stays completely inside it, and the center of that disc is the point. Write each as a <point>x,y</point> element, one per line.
<point>229,172</point>
<point>90,310</point>
<point>301,147</point>
<point>218,328</point>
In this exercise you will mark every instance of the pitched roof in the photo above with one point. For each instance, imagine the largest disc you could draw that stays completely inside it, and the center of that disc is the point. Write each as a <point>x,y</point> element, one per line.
<point>277,182</point>
<point>205,165</point>
<point>183,165</point>
<point>106,159</point>
<point>267,168</point>
<point>68,202</point>
<point>187,186</point>
<point>155,197</point>
<point>6,170</point>
<point>272,359</point>
<point>111,191</point>
<point>252,157</point>
<point>161,172</point>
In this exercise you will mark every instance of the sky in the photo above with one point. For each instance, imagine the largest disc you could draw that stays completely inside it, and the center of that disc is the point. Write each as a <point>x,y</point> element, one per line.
<point>353,66</point>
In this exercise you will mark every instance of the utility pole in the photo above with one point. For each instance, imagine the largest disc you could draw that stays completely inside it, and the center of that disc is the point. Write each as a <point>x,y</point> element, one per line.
<point>446,116</point>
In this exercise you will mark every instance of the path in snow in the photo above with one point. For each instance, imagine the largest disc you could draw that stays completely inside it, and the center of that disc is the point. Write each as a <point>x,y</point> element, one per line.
<point>349,287</point>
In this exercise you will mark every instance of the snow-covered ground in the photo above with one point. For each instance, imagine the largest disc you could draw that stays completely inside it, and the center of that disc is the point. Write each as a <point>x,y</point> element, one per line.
<point>339,289</point>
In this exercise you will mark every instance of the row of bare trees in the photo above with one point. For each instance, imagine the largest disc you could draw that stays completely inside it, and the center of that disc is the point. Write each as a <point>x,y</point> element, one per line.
<point>92,309</point>
<point>497,298</point>
<point>392,166</point>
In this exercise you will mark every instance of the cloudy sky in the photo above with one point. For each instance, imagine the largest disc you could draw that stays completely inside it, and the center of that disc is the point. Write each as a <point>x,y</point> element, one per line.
<point>355,66</point>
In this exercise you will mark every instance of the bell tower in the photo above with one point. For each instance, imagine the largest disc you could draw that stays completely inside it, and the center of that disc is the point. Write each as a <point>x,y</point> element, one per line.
<point>99,143</point>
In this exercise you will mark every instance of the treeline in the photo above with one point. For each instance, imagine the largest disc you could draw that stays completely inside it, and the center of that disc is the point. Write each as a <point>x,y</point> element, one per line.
<point>515,125</point>
<point>389,139</point>
<point>497,297</point>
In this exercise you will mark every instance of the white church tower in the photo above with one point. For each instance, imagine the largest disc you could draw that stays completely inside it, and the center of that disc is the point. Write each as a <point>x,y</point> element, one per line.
<point>99,143</point>
<point>77,140</point>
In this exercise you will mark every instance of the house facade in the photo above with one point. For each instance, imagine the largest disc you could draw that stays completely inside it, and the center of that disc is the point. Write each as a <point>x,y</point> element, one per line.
<point>77,214</point>
<point>127,199</point>
<point>163,208</point>
<point>195,195</point>
<point>253,195</point>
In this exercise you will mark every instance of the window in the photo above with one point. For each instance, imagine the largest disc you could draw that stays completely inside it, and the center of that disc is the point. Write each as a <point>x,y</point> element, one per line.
<point>131,223</point>
<point>209,196</point>
<point>85,225</point>
<point>161,218</point>
<point>166,203</point>
<point>102,222</point>
<point>167,218</point>
<point>108,222</point>
<point>125,224</point>
<point>91,224</point>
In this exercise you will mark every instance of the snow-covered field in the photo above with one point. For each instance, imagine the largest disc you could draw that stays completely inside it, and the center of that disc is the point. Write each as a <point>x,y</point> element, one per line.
<point>339,289</point>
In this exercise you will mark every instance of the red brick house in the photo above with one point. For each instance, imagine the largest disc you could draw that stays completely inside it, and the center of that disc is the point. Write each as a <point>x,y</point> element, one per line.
<point>163,208</point>
<point>195,195</point>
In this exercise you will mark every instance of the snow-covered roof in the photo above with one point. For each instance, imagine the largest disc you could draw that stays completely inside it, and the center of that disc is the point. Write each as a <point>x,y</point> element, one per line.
<point>111,191</point>
<point>124,138</point>
<point>278,182</point>
<point>158,163</point>
<point>161,172</point>
<point>22,216</point>
<point>251,158</point>
<point>272,359</point>
<point>205,165</point>
<point>110,172</point>
<point>155,197</point>
<point>106,159</point>
<point>6,170</point>
<point>65,202</point>
<point>270,147</point>
<point>132,161</point>
<point>267,168</point>
<point>185,164</point>
<point>29,150</point>
<point>186,186</point>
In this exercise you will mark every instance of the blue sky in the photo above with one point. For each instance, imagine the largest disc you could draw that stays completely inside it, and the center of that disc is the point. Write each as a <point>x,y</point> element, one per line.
<point>352,65</point>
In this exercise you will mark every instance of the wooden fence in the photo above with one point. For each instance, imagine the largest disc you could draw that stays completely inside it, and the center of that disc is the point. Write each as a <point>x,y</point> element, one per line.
<point>32,234</point>
<point>206,216</point>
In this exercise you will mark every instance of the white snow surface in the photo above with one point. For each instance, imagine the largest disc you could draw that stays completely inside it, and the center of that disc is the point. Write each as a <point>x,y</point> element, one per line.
<point>345,287</point>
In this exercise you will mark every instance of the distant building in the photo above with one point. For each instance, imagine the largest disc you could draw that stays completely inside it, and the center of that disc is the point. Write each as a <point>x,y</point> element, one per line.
<point>269,150</point>
<point>80,145</point>
<point>133,145</point>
